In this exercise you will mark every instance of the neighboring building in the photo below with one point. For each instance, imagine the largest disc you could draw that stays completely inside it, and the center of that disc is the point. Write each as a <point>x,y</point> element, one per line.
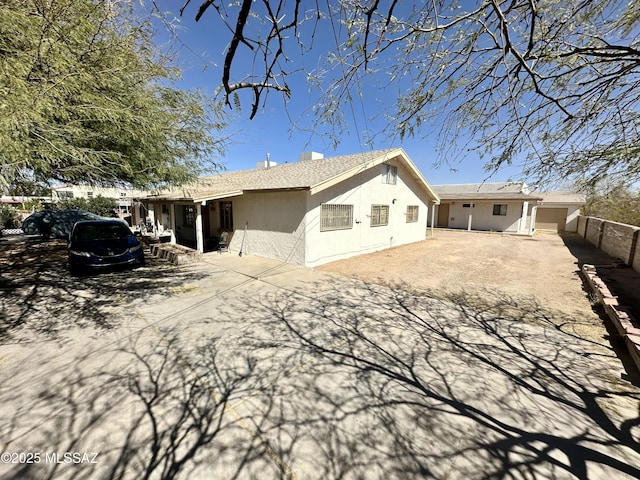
<point>19,201</point>
<point>127,199</point>
<point>506,207</point>
<point>309,212</point>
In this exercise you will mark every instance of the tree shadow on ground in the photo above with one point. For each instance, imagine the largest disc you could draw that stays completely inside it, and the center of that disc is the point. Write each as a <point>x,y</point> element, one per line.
<point>349,381</point>
<point>154,417</point>
<point>40,296</point>
<point>458,385</point>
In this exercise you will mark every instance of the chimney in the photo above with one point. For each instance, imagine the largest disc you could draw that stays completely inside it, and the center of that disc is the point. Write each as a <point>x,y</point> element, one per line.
<point>310,156</point>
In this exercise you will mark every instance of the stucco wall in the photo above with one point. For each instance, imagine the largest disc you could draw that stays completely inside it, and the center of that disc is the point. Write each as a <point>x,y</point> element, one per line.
<point>274,225</point>
<point>482,217</point>
<point>362,191</point>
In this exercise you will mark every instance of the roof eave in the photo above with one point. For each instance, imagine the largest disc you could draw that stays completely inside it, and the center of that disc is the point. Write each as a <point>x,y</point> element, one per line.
<point>396,153</point>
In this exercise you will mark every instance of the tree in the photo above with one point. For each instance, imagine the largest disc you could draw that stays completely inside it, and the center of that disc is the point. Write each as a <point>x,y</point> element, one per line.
<point>86,97</point>
<point>554,84</point>
<point>103,206</point>
<point>617,203</point>
<point>8,217</point>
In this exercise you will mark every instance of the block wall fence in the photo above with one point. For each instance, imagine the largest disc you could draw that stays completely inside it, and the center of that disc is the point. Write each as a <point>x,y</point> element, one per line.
<point>616,239</point>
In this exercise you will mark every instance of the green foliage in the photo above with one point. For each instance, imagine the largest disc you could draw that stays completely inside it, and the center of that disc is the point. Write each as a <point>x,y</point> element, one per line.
<point>102,206</point>
<point>99,205</point>
<point>73,203</point>
<point>9,217</point>
<point>33,205</point>
<point>24,187</point>
<point>618,204</point>
<point>85,97</point>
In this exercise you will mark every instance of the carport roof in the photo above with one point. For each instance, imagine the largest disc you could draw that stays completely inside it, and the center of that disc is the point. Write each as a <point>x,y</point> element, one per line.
<point>489,196</point>
<point>562,196</point>
<point>314,175</point>
<point>485,191</point>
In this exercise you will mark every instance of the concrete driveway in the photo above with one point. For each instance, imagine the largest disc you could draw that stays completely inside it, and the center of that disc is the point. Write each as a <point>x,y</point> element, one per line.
<point>241,367</point>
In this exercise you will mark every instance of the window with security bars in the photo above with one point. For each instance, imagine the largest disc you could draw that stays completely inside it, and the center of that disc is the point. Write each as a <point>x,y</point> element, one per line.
<point>412,213</point>
<point>335,217</point>
<point>379,215</point>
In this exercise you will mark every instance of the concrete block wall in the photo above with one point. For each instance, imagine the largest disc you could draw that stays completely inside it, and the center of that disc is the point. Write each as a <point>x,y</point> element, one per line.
<point>593,230</point>
<point>617,239</point>
<point>582,226</point>
<point>635,264</point>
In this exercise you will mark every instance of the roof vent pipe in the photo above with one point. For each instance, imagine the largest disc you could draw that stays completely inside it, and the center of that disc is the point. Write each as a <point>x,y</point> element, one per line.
<point>266,164</point>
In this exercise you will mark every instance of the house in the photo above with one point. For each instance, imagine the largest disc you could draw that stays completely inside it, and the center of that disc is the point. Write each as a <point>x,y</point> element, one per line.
<point>309,212</point>
<point>510,207</point>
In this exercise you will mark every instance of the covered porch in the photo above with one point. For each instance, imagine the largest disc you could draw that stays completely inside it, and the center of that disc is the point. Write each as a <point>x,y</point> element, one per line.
<point>204,225</point>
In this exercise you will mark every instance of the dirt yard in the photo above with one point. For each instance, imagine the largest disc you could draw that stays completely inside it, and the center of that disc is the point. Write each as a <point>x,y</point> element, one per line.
<point>533,269</point>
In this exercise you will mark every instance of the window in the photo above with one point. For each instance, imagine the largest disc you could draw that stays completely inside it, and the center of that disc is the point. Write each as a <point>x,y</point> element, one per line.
<point>412,213</point>
<point>500,209</point>
<point>379,215</point>
<point>226,216</point>
<point>389,174</point>
<point>89,194</point>
<point>468,205</point>
<point>189,219</point>
<point>335,217</point>
<point>62,195</point>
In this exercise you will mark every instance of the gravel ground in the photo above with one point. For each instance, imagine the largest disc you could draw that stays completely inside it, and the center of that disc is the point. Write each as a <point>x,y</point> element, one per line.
<point>537,269</point>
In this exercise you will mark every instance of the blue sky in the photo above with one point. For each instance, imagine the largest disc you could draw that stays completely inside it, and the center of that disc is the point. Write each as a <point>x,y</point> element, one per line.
<point>201,47</point>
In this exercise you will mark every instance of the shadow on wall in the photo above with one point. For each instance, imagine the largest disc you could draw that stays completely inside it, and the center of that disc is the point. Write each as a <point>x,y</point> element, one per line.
<point>350,382</point>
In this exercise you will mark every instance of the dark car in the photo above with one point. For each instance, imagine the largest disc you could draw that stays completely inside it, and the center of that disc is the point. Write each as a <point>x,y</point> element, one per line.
<point>98,244</point>
<point>53,223</point>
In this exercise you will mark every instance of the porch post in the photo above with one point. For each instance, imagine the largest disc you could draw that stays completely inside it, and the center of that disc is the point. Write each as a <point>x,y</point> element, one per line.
<point>172,222</point>
<point>199,235</point>
<point>532,225</point>
<point>522,224</point>
<point>433,214</point>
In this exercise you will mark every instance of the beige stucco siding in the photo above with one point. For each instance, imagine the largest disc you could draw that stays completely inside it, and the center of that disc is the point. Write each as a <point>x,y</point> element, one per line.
<point>362,191</point>
<point>482,217</point>
<point>274,225</point>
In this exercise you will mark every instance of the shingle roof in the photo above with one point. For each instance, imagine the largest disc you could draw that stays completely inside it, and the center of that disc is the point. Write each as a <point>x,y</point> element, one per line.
<point>474,188</point>
<point>563,196</point>
<point>485,191</point>
<point>303,174</point>
<point>488,196</point>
